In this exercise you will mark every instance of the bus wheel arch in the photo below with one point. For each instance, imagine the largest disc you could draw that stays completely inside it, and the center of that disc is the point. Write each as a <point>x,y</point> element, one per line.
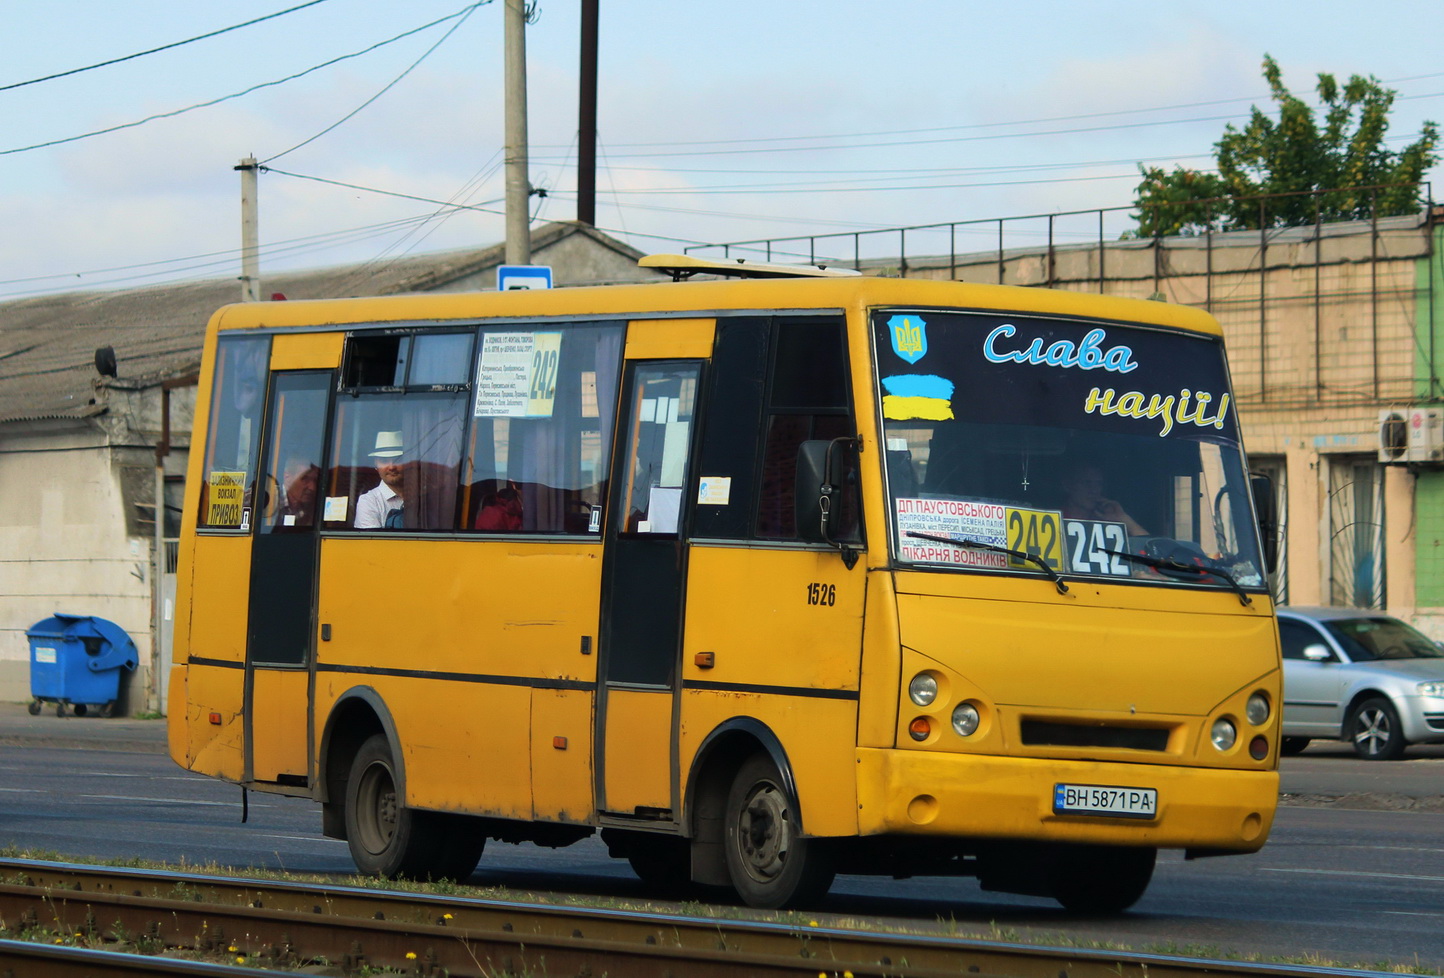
<point>385,836</point>
<point>743,766</point>
<point>357,715</point>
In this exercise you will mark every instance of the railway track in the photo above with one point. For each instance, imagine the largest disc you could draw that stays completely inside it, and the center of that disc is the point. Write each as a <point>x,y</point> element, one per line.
<point>280,925</point>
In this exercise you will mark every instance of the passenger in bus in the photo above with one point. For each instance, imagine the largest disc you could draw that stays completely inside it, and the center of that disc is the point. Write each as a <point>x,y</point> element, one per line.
<point>383,507</point>
<point>299,480</point>
<point>1085,485</point>
<point>500,511</point>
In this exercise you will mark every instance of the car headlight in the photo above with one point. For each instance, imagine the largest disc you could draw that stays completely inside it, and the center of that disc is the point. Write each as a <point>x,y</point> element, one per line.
<point>965,719</point>
<point>1257,710</point>
<point>923,689</point>
<point>1223,734</point>
<point>1434,688</point>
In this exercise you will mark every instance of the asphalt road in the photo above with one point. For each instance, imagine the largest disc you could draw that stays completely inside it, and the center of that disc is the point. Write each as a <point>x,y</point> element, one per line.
<point>1355,875</point>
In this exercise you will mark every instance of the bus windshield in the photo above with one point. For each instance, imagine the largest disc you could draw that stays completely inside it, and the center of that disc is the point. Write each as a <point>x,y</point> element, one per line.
<point>1096,449</point>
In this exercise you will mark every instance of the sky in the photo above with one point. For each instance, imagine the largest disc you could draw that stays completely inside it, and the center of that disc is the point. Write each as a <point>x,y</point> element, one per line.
<point>718,121</point>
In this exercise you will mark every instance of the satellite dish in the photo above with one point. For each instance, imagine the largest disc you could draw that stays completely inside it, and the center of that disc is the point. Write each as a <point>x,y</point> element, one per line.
<point>105,361</point>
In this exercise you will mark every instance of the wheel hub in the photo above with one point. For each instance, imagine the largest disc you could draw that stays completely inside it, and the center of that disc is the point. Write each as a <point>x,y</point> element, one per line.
<point>1372,732</point>
<point>764,833</point>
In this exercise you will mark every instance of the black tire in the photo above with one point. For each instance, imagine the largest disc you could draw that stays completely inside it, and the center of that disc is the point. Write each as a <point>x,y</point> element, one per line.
<point>463,840</point>
<point>1374,731</point>
<point>1290,746</point>
<point>385,837</point>
<point>35,708</point>
<point>1100,879</point>
<point>81,709</point>
<point>664,864</point>
<point>771,864</point>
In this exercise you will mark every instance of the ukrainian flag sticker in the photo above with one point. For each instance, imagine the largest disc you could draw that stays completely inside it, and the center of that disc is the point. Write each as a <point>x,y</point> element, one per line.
<point>917,396</point>
<point>909,337</point>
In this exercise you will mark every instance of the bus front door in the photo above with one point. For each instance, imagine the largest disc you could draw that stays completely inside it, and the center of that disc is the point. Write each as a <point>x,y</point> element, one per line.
<point>283,580</point>
<point>644,572</point>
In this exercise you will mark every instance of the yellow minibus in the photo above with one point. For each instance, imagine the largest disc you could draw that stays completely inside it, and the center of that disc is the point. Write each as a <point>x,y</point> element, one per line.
<point>764,578</point>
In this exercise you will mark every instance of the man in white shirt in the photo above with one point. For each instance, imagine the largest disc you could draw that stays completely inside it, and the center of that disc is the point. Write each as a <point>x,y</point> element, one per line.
<point>382,506</point>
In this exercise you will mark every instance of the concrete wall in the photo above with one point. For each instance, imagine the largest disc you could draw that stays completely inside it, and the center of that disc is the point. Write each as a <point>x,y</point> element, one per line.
<point>77,531</point>
<point>64,545</point>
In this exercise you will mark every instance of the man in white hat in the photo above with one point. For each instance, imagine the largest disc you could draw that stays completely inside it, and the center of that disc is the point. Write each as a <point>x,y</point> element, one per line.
<point>382,506</point>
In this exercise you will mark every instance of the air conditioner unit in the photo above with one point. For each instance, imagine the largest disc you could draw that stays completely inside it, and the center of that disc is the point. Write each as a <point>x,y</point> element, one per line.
<point>1413,434</point>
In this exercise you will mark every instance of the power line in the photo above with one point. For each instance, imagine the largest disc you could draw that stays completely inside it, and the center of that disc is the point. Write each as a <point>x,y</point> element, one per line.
<point>163,47</point>
<point>453,29</point>
<point>390,193</point>
<point>212,260</point>
<point>253,88</point>
<point>1017,122</point>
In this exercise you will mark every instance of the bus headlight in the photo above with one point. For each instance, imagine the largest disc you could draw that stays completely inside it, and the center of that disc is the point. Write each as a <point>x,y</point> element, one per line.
<point>1257,710</point>
<point>965,719</point>
<point>1223,734</point>
<point>923,689</point>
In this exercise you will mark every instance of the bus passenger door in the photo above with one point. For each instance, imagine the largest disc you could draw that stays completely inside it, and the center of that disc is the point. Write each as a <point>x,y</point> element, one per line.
<point>283,579</point>
<point>643,572</point>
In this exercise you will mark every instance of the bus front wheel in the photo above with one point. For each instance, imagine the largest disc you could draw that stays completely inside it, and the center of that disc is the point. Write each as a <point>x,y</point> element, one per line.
<point>386,838</point>
<point>771,864</point>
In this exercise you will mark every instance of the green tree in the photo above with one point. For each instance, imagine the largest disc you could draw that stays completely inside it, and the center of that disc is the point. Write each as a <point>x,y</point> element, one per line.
<point>1295,155</point>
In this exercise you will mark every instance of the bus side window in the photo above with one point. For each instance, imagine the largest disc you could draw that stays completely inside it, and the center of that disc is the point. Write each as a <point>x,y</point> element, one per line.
<point>807,399</point>
<point>397,436</point>
<point>728,460</point>
<point>538,457</point>
<point>237,401</point>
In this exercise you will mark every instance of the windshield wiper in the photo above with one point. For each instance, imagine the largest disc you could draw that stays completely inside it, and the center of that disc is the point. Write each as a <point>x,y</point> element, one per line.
<point>1178,566</point>
<point>1053,575</point>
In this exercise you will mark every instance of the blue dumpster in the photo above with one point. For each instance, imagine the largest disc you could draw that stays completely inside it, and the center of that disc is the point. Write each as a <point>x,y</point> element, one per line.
<point>75,661</point>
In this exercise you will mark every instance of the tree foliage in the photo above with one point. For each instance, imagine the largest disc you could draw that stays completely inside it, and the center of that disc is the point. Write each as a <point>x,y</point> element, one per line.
<point>1333,169</point>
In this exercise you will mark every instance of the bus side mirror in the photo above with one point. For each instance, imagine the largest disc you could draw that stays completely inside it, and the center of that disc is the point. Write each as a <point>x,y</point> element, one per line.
<point>817,497</point>
<point>1268,522</point>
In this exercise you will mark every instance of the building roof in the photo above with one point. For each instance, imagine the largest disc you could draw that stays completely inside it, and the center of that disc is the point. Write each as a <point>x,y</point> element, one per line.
<point>48,344</point>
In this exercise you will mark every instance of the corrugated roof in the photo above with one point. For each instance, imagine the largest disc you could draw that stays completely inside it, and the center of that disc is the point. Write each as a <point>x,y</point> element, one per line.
<point>48,344</point>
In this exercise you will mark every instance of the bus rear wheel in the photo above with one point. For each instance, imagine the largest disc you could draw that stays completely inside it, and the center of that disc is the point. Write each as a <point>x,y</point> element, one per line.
<point>388,839</point>
<point>1100,879</point>
<point>771,864</point>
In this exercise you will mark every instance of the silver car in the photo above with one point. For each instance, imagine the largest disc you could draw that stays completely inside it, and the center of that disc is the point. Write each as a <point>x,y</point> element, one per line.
<point>1359,676</point>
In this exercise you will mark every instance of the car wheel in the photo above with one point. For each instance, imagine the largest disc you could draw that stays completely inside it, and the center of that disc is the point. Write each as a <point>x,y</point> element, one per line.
<point>1374,730</point>
<point>1290,746</point>
<point>771,864</point>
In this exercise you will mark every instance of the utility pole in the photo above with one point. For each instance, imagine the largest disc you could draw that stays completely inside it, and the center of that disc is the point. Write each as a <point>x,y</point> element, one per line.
<point>587,118</point>
<point>250,232</point>
<point>518,185</point>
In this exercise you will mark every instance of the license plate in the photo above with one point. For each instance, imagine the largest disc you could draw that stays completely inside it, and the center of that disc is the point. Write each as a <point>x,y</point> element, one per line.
<point>1099,799</point>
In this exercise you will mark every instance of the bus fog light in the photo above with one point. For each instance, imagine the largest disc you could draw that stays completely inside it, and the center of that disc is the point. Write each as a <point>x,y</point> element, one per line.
<point>923,689</point>
<point>1224,734</point>
<point>1257,710</point>
<point>920,728</point>
<point>1258,748</point>
<point>965,719</point>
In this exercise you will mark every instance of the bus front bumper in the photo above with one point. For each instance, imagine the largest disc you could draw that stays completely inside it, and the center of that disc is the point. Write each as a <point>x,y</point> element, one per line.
<point>972,796</point>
